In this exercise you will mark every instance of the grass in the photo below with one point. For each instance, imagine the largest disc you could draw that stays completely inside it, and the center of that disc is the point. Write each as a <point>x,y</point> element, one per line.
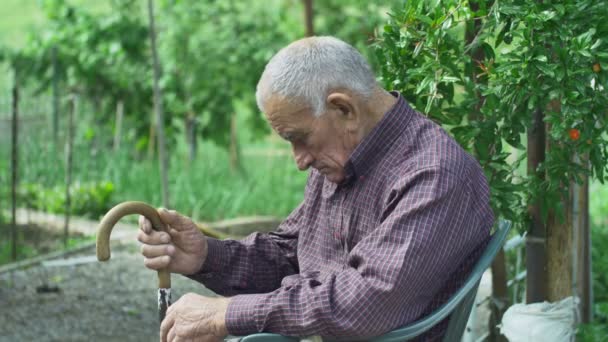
<point>206,189</point>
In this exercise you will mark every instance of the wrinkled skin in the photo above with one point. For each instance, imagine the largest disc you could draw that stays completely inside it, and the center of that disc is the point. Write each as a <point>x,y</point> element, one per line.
<point>325,142</point>
<point>181,251</point>
<point>195,318</point>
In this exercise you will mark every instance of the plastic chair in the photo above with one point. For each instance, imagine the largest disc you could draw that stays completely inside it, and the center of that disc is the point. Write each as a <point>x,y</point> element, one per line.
<point>459,305</point>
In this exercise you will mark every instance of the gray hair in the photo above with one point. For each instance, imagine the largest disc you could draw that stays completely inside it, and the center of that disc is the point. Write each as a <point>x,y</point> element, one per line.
<point>308,69</point>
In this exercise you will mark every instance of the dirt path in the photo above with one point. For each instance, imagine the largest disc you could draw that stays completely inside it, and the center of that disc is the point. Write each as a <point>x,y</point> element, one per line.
<point>87,301</point>
<point>77,298</point>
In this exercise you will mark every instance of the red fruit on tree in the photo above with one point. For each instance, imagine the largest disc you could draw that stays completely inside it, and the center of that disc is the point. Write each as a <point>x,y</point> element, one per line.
<point>574,134</point>
<point>597,68</point>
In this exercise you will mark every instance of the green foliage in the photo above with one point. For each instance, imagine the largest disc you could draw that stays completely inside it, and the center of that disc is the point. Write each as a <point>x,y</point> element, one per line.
<point>213,54</point>
<point>205,188</point>
<point>23,252</point>
<point>91,200</point>
<point>102,58</point>
<point>523,59</point>
<point>593,332</point>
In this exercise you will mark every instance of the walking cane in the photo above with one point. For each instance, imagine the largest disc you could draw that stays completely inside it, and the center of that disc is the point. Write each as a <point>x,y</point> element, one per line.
<point>103,244</point>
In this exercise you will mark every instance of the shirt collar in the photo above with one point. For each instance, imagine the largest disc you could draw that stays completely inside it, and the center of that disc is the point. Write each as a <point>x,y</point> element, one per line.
<point>375,145</point>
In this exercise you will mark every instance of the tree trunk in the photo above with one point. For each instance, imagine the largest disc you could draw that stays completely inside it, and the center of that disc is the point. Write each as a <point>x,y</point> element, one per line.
<point>536,280</point>
<point>560,256</point>
<point>308,18</point>
<point>68,169</point>
<point>477,55</point>
<point>14,167</point>
<point>500,294</point>
<point>118,129</point>
<point>158,109</point>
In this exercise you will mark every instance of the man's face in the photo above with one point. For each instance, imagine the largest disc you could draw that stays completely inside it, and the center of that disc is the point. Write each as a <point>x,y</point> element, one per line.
<point>318,142</point>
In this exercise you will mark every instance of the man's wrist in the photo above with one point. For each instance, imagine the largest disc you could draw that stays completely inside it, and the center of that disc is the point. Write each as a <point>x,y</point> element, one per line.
<point>202,258</point>
<point>223,303</point>
<point>213,259</point>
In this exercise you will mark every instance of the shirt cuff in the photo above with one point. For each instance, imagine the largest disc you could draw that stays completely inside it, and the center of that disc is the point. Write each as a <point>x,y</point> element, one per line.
<point>216,260</point>
<point>217,256</point>
<point>244,312</point>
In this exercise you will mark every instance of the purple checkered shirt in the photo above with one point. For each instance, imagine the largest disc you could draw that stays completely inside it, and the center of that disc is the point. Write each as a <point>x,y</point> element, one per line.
<point>378,251</point>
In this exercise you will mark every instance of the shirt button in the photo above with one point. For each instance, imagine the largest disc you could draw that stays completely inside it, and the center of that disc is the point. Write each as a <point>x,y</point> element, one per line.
<point>361,177</point>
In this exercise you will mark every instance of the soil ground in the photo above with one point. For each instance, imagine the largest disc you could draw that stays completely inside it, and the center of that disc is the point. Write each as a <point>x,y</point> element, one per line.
<point>90,301</point>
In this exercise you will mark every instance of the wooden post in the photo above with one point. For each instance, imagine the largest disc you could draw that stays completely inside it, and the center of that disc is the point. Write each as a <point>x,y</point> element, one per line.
<point>55,97</point>
<point>584,262</point>
<point>14,167</point>
<point>68,168</point>
<point>536,258</point>
<point>191,140</point>
<point>158,109</point>
<point>582,283</point>
<point>152,137</point>
<point>118,128</point>
<point>308,18</point>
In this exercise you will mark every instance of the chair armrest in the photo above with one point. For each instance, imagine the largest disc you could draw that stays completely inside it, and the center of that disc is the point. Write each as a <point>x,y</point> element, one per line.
<point>266,337</point>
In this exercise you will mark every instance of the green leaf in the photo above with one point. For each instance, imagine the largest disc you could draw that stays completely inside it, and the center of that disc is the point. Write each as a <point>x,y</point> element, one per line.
<point>545,68</point>
<point>488,51</point>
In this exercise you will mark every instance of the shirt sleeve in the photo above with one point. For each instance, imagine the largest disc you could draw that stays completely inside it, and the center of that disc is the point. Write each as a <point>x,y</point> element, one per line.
<point>254,264</point>
<point>430,225</point>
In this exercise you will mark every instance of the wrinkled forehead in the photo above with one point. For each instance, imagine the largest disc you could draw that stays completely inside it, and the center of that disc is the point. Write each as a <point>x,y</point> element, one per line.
<point>278,107</point>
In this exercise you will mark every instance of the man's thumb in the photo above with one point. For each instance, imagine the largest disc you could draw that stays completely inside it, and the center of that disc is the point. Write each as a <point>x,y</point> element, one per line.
<point>174,219</point>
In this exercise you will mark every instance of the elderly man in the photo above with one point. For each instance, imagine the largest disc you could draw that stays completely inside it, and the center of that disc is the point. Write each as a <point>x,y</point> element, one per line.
<point>394,215</point>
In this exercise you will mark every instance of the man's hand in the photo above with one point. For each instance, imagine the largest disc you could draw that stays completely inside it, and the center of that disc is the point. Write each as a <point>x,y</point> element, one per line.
<point>183,250</point>
<point>195,318</point>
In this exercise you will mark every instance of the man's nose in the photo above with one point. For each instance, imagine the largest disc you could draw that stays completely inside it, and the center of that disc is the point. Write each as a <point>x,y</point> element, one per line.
<point>303,158</point>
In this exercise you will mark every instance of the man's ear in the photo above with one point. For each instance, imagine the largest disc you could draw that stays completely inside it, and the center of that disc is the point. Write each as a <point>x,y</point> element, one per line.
<point>343,103</point>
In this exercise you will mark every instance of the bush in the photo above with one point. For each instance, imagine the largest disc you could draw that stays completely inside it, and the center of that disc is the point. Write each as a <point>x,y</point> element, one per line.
<point>87,199</point>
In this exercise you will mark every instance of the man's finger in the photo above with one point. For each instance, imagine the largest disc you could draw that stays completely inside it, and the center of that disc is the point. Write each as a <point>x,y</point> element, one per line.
<point>153,238</point>
<point>145,224</point>
<point>180,238</point>
<point>158,262</point>
<point>171,337</point>
<point>165,326</point>
<point>175,220</point>
<point>153,251</point>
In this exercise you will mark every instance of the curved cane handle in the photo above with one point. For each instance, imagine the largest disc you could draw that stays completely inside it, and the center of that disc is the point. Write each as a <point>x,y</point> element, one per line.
<point>113,216</point>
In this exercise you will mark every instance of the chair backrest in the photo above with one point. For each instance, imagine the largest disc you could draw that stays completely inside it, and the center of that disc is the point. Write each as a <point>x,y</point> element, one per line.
<point>460,304</point>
